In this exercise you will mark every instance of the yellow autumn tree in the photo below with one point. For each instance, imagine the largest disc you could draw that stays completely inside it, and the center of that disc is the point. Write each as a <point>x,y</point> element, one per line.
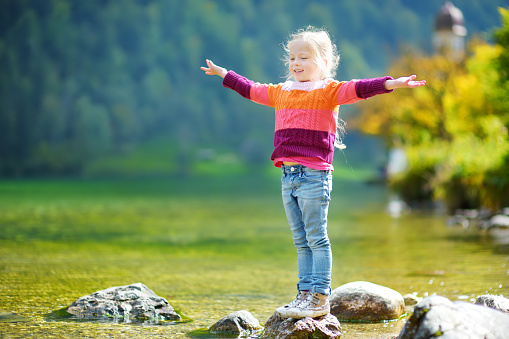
<point>453,130</point>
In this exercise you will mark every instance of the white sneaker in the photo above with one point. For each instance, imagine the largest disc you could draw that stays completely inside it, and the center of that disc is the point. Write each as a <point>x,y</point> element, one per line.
<point>302,296</point>
<point>315,306</point>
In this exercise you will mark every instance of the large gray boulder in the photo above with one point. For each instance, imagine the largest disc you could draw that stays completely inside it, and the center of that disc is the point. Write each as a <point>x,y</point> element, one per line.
<point>130,302</point>
<point>367,302</point>
<point>323,327</point>
<point>437,316</point>
<point>240,322</point>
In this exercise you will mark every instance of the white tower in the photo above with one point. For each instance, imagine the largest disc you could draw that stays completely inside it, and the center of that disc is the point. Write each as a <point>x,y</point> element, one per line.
<point>450,32</point>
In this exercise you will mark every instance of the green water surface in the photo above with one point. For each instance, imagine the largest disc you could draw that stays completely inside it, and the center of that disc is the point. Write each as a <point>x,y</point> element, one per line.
<point>212,246</point>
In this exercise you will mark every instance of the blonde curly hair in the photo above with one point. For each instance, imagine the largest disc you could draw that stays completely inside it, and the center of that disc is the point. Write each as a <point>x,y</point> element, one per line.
<point>322,48</point>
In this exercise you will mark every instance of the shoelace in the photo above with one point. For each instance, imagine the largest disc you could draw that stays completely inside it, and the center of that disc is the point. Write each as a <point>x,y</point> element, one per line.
<point>313,301</point>
<point>301,297</point>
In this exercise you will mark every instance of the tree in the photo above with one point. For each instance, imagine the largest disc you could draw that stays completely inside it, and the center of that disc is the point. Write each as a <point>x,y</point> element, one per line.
<point>134,66</point>
<point>454,130</point>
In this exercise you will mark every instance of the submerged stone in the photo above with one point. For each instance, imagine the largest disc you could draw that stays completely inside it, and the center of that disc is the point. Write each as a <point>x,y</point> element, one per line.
<point>129,302</point>
<point>11,317</point>
<point>367,302</point>
<point>437,316</point>
<point>239,322</point>
<point>411,299</point>
<point>323,327</point>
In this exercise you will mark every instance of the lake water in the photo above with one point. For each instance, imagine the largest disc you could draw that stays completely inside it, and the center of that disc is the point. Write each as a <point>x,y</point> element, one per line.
<point>215,246</point>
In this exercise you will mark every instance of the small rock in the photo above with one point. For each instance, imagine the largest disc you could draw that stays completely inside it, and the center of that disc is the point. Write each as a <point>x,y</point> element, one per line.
<point>499,220</point>
<point>459,220</point>
<point>365,301</point>
<point>129,302</point>
<point>411,299</point>
<point>496,302</point>
<point>323,327</point>
<point>239,322</point>
<point>437,316</point>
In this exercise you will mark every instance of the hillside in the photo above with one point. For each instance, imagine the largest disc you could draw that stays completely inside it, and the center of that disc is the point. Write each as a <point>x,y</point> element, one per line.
<point>83,80</point>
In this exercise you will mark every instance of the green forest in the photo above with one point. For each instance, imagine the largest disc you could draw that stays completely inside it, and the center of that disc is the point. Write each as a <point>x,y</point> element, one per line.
<point>102,86</point>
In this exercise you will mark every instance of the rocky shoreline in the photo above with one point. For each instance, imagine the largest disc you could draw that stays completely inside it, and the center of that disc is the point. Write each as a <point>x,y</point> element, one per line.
<point>433,316</point>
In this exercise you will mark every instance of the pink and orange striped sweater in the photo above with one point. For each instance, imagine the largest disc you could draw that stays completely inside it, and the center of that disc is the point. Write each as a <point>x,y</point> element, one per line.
<point>306,114</point>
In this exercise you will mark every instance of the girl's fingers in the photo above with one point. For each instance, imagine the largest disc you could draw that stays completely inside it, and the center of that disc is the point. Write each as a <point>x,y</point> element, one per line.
<point>417,83</point>
<point>207,70</point>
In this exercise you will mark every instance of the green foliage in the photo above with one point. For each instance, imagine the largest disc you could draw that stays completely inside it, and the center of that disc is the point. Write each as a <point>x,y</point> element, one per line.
<point>454,130</point>
<point>80,80</point>
<point>502,62</point>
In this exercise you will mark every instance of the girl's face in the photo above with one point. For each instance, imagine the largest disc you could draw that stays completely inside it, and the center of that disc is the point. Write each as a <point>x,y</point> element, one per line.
<point>302,63</point>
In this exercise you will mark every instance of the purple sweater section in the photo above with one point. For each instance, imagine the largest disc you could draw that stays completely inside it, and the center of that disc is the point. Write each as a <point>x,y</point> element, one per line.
<point>364,88</point>
<point>367,88</point>
<point>238,83</point>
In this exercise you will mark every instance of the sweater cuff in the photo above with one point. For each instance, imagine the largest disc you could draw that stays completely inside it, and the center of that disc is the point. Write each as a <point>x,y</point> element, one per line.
<point>230,79</point>
<point>366,88</point>
<point>379,85</point>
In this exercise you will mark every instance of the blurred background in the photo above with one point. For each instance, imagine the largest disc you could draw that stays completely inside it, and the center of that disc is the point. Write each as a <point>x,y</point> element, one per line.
<point>105,88</point>
<point>121,162</point>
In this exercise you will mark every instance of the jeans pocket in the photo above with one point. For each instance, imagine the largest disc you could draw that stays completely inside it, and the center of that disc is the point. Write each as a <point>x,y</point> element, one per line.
<point>314,174</point>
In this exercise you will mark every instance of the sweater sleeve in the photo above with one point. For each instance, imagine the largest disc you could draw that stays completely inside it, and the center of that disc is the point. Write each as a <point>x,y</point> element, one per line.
<point>367,88</point>
<point>350,92</point>
<point>247,88</point>
<point>238,83</point>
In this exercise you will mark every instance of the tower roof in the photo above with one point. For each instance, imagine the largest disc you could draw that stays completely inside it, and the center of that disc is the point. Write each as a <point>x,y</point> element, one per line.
<point>450,18</point>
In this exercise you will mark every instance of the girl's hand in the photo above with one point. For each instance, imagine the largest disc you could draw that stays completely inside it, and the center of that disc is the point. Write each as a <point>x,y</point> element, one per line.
<point>213,69</point>
<point>403,82</point>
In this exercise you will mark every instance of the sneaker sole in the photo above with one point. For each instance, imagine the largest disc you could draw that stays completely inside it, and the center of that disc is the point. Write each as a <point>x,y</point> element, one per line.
<point>308,314</point>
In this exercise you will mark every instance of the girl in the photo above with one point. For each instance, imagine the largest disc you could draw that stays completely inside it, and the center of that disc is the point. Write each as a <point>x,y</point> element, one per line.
<point>306,121</point>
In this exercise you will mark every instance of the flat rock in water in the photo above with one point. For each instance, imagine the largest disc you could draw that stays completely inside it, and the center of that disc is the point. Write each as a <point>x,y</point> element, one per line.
<point>324,327</point>
<point>239,322</point>
<point>129,302</point>
<point>365,301</point>
<point>496,302</point>
<point>437,316</point>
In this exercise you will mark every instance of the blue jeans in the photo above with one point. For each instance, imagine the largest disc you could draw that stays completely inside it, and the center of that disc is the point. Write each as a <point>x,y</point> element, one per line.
<point>306,196</point>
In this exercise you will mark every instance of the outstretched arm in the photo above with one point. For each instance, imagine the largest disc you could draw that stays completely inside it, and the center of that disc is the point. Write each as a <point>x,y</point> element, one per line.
<point>404,82</point>
<point>214,69</point>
